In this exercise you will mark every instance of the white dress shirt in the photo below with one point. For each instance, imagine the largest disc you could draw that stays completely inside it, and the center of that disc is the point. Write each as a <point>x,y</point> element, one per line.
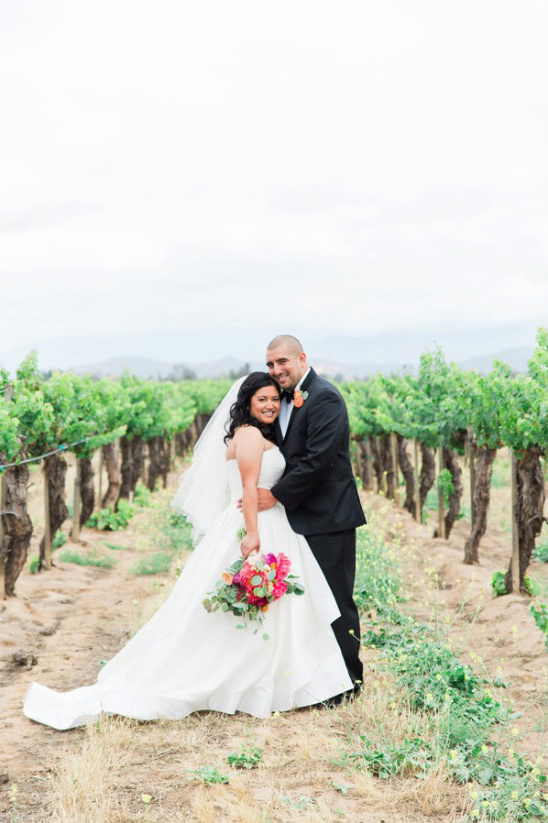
<point>287,408</point>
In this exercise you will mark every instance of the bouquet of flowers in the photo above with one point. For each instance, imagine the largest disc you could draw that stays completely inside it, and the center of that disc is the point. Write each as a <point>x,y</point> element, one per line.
<point>249,586</point>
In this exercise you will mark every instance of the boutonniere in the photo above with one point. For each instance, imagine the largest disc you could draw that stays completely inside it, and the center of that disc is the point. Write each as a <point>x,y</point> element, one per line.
<point>299,397</point>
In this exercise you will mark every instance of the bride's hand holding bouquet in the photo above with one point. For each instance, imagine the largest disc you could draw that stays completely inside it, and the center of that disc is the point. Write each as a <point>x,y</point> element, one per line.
<point>250,545</point>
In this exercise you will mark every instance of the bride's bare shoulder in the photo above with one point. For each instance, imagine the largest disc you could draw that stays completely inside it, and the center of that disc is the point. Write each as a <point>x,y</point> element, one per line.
<point>247,434</point>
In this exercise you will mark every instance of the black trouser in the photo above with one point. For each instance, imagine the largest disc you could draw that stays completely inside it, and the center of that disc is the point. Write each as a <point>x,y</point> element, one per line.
<point>336,555</point>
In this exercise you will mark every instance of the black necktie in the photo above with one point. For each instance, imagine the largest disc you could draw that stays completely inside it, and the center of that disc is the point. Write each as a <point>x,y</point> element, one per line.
<point>286,395</point>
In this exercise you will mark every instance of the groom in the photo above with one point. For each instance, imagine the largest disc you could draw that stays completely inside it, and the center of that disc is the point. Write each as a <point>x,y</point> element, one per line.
<point>318,489</point>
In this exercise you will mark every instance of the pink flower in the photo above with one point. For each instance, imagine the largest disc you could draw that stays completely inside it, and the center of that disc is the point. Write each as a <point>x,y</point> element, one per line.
<point>279,589</point>
<point>283,564</point>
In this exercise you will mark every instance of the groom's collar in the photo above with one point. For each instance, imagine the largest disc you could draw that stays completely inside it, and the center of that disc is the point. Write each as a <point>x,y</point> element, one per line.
<point>301,382</point>
<point>307,378</point>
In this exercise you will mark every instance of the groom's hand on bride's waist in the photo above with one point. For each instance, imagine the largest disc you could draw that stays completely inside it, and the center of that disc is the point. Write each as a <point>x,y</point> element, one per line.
<point>265,500</point>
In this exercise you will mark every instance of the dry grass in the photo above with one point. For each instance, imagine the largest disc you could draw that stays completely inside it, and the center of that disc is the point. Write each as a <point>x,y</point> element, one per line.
<point>117,761</point>
<point>103,773</point>
<point>99,774</point>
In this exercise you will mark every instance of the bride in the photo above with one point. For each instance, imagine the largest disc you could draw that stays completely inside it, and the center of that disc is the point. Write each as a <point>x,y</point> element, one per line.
<point>186,659</point>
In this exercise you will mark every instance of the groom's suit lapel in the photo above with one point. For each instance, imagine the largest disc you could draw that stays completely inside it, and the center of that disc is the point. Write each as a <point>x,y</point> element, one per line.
<point>295,413</point>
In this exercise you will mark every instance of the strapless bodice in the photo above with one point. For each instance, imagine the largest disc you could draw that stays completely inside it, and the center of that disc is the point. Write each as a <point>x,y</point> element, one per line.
<point>272,468</point>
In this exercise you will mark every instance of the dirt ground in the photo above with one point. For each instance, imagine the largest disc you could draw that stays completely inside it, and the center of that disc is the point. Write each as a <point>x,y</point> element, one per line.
<point>64,622</point>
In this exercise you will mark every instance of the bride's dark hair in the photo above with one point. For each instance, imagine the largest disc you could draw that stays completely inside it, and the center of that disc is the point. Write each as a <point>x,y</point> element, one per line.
<point>240,410</point>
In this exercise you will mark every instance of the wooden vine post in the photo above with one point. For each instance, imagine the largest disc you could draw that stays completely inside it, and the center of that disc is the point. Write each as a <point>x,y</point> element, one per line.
<point>394,454</point>
<point>2,555</point>
<point>384,482</point>
<point>75,531</point>
<point>416,481</point>
<point>100,490</point>
<point>472,467</point>
<point>515,522</point>
<point>144,471</point>
<point>3,495</point>
<point>47,529</point>
<point>441,512</point>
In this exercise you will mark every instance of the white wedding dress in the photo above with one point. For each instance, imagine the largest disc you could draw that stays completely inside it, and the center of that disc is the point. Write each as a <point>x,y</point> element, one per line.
<point>186,660</point>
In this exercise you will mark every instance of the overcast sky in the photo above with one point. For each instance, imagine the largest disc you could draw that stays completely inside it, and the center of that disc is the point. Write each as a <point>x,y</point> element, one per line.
<point>355,167</point>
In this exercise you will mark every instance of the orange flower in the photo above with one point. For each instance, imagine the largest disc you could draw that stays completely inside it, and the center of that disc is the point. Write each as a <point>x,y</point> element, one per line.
<point>227,578</point>
<point>297,399</point>
<point>264,608</point>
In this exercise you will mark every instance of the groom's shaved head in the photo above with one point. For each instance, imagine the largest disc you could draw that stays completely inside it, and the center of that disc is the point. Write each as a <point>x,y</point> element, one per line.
<point>286,361</point>
<point>286,340</point>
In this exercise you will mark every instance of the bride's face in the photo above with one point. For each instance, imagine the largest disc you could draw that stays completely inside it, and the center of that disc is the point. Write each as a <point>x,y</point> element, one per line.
<point>265,405</point>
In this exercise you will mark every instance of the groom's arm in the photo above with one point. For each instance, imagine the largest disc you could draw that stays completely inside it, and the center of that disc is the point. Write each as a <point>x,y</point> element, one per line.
<point>326,429</point>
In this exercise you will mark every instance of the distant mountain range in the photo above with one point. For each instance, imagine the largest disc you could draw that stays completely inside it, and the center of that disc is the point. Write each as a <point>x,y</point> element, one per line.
<point>159,354</point>
<point>229,366</point>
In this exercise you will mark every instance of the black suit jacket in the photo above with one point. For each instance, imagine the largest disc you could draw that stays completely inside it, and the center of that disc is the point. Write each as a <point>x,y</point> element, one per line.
<point>318,489</point>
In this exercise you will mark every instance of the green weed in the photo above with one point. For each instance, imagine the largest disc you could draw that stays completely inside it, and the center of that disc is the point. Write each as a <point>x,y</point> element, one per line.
<point>386,759</point>
<point>249,757</point>
<point>540,552</point>
<point>142,497</point>
<point>498,585</point>
<point>208,775</point>
<point>377,581</point>
<point>175,533</point>
<point>539,612</point>
<point>158,563</point>
<point>441,712</point>
<point>107,520</point>
<point>90,559</point>
<point>59,540</point>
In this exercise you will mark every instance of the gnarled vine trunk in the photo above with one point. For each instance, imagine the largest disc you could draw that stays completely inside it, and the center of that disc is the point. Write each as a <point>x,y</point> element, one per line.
<point>132,464</point>
<point>110,461</point>
<point>17,525</point>
<point>427,475</point>
<point>374,446</point>
<point>531,496</point>
<point>453,508</point>
<point>55,472</point>
<point>407,470</point>
<point>388,469</point>
<point>362,462</point>
<point>201,421</point>
<point>184,441</point>
<point>483,469</point>
<point>158,466</point>
<point>87,490</point>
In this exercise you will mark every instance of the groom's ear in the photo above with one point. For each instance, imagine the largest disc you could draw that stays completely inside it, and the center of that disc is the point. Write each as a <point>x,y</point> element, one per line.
<point>302,359</point>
